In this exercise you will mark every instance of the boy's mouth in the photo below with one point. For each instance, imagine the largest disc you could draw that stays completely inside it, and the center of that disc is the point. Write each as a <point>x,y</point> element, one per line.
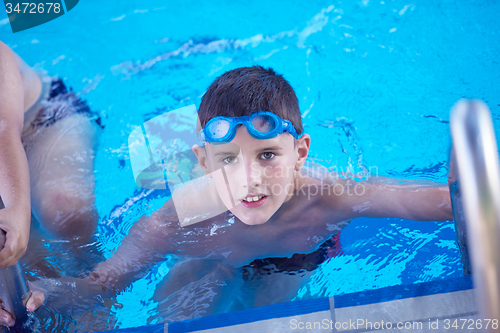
<point>254,201</point>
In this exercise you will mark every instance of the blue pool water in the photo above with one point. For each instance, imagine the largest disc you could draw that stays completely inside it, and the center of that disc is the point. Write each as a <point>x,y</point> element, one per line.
<point>375,82</point>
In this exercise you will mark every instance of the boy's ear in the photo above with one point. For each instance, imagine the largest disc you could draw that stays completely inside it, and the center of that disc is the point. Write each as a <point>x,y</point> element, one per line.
<point>303,144</point>
<point>201,155</point>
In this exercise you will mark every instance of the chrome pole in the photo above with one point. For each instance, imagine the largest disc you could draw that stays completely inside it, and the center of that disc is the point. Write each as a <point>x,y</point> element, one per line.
<point>458,213</point>
<point>476,153</point>
<point>13,291</point>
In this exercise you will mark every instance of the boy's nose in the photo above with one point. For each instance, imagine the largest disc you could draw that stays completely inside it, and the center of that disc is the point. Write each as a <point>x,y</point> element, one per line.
<point>254,174</point>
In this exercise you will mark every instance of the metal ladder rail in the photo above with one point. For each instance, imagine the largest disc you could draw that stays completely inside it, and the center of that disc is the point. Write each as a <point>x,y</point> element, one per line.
<point>13,291</point>
<point>458,213</point>
<point>475,158</point>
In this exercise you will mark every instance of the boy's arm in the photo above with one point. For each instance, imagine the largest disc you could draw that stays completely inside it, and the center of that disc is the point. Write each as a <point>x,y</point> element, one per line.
<point>420,202</point>
<point>163,232</point>
<point>147,243</point>
<point>15,218</point>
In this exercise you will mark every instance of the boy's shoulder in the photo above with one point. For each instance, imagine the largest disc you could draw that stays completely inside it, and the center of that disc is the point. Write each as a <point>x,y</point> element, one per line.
<point>318,184</point>
<point>329,193</point>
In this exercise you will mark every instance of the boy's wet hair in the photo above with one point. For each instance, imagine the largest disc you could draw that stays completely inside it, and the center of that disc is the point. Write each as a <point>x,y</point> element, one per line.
<point>241,91</point>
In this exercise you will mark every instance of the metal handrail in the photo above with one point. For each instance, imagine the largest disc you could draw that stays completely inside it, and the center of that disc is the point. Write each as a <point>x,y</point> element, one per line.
<point>475,157</point>
<point>458,213</point>
<point>13,292</point>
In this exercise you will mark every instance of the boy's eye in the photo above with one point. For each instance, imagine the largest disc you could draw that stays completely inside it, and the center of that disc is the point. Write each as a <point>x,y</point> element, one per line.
<point>267,155</point>
<point>229,159</point>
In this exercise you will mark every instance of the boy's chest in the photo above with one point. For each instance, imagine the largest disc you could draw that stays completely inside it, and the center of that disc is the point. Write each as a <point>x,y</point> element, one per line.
<point>300,226</point>
<point>292,231</point>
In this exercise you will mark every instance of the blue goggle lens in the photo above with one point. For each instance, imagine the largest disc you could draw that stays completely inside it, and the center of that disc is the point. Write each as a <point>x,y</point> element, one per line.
<point>219,128</point>
<point>264,123</point>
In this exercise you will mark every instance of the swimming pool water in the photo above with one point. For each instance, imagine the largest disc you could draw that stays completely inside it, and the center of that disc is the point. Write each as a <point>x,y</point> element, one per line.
<point>375,82</point>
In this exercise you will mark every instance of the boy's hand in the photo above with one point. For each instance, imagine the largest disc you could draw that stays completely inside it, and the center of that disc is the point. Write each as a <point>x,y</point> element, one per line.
<point>35,300</point>
<point>14,229</point>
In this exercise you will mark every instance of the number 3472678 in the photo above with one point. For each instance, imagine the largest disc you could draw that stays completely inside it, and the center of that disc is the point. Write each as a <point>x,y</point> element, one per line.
<point>33,8</point>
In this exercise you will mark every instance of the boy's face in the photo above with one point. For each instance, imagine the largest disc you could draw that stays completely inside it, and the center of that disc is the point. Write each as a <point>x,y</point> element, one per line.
<point>254,177</point>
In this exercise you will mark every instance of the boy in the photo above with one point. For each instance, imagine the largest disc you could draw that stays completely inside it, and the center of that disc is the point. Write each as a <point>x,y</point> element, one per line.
<point>47,139</point>
<point>254,202</point>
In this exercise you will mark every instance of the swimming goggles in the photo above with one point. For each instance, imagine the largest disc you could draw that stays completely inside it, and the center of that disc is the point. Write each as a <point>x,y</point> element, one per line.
<point>261,125</point>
